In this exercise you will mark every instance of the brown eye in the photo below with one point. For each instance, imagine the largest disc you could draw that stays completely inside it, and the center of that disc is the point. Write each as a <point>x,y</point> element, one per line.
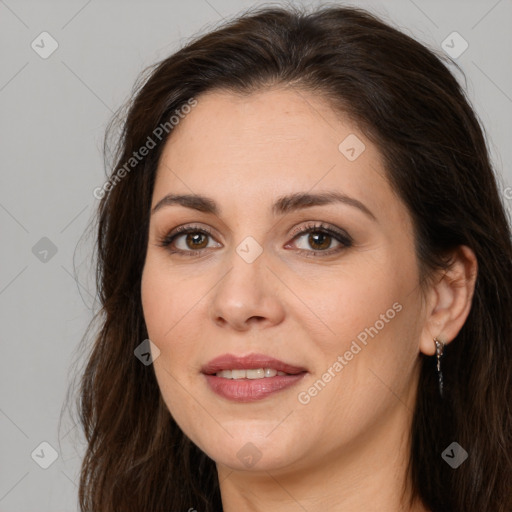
<point>319,240</point>
<point>196,240</point>
<point>187,240</point>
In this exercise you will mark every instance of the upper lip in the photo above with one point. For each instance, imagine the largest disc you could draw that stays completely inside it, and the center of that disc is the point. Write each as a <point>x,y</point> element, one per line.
<point>248,362</point>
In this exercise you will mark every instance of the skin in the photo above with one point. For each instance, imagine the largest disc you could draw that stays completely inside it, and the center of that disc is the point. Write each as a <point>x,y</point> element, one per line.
<point>346,449</point>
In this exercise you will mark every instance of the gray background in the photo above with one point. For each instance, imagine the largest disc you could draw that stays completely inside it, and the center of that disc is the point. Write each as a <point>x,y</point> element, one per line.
<point>53,115</point>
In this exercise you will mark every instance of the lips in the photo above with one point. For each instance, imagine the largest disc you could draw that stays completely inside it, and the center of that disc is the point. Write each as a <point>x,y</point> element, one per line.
<point>246,389</point>
<point>248,362</point>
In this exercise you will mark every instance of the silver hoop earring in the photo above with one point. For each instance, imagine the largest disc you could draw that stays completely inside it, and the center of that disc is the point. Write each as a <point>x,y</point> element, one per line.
<point>439,354</point>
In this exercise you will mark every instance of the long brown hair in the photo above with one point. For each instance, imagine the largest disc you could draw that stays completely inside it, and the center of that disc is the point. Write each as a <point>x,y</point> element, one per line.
<point>407,101</point>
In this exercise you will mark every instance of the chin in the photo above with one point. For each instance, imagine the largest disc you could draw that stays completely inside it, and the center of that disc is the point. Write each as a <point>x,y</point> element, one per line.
<point>253,452</point>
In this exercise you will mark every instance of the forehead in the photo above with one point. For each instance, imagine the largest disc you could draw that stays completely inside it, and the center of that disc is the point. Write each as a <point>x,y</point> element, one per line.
<point>264,144</point>
<point>278,118</point>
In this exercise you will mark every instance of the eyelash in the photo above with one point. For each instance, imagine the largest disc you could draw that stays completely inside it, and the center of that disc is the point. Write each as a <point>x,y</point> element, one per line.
<point>343,238</point>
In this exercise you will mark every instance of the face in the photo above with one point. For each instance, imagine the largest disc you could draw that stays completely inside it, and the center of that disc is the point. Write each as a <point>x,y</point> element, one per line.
<point>326,286</point>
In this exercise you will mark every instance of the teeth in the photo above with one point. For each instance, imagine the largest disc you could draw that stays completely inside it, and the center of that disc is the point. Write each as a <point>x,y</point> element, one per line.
<point>256,373</point>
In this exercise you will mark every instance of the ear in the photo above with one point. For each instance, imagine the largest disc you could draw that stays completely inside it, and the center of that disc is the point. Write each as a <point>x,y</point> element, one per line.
<point>449,300</point>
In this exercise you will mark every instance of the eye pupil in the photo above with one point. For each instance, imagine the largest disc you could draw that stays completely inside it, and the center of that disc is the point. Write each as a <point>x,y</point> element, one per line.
<point>321,243</point>
<point>193,237</point>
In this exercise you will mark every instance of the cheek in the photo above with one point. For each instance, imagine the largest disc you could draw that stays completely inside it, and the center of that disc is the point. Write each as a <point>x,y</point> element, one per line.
<point>157,304</point>
<point>166,300</point>
<point>373,320</point>
<point>167,316</point>
<point>174,308</point>
<point>361,299</point>
<point>169,307</point>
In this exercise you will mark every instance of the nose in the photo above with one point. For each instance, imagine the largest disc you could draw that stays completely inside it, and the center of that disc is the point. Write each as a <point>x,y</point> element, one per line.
<point>247,296</point>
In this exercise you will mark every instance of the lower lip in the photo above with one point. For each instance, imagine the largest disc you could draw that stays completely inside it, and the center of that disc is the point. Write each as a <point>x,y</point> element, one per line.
<point>250,390</point>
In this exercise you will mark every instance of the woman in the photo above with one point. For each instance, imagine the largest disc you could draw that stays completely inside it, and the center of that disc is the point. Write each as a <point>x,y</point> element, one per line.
<point>305,273</point>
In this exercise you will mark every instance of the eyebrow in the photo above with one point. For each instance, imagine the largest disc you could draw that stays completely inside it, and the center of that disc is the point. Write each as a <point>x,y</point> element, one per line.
<point>283,205</point>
